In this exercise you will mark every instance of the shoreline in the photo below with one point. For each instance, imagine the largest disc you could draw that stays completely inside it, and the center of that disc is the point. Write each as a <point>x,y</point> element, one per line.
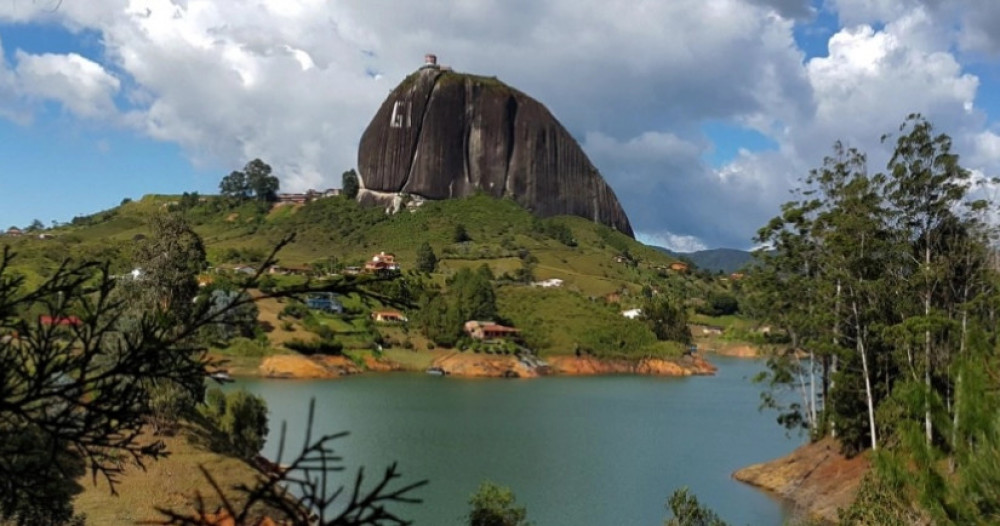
<point>815,478</point>
<point>466,365</point>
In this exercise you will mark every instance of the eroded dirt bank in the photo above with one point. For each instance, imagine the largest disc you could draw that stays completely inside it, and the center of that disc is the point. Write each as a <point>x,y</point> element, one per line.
<point>472,365</point>
<point>815,477</point>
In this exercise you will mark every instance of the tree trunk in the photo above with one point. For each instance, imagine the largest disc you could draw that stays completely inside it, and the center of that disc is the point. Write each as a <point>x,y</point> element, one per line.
<point>828,382</point>
<point>864,368</point>
<point>928,425</point>
<point>958,379</point>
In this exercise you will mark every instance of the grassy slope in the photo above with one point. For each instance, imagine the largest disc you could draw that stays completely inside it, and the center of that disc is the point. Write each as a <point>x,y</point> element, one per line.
<point>340,229</point>
<point>170,482</point>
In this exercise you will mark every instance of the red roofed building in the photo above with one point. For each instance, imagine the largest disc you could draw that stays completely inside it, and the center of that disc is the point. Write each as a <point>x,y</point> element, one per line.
<point>63,321</point>
<point>488,330</point>
<point>382,263</point>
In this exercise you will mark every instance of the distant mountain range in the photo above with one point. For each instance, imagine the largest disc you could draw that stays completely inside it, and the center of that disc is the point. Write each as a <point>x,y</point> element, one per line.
<point>727,260</point>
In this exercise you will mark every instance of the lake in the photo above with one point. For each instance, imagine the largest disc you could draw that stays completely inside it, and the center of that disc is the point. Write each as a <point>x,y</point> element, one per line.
<point>575,450</point>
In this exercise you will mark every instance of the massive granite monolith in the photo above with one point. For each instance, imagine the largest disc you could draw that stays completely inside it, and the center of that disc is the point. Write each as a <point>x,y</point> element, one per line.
<point>442,135</point>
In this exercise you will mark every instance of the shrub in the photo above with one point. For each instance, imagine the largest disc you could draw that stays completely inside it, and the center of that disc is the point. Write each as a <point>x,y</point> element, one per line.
<point>322,346</point>
<point>295,310</point>
<point>168,402</point>
<point>494,505</point>
<point>242,419</point>
<point>719,304</point>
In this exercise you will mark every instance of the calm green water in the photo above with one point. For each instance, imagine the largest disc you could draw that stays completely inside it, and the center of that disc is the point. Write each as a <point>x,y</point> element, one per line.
<point>576,451</point>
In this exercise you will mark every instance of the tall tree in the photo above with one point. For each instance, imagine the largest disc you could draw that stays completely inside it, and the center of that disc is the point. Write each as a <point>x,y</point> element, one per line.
<point>886,279</point>
<point>668,323</point>
<point>426,259</point>
<point>350,184</point>
<point>260,181</point>
<point>169,261</point>
<point>926,185</point>
<point>235,186</point>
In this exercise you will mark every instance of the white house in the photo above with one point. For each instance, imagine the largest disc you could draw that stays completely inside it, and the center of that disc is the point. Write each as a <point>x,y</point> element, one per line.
<point>549,283</point>
<point>632,313</point>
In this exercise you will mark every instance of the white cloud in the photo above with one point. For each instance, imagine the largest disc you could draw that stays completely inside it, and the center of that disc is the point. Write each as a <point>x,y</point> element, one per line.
<point>9,107</point>
<point>670,241</point>
<point>80,84</point>
<point>295,82</point>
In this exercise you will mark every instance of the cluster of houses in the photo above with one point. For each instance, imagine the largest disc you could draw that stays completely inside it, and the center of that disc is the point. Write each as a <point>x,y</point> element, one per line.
<point>383,263</point>
<point>17,232</point>
<point>677,266</point>
<point>475,329</point>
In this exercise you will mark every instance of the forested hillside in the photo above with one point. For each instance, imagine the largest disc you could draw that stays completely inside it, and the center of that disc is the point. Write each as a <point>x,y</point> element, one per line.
<point>600,271</point>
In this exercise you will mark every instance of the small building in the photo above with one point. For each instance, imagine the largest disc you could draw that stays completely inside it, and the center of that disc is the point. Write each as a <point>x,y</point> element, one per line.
<point>679,266</point>
<point>632,313</point>
<point>736,276</point>
<point>389,316</point>
<point>14,232</point>
<point>382,263</point>
<point>59,321</point>
<point>308,196</point>
<point>548,283</point>
<point>711,330</point>
<point>327,302</point>
<point>293,199</point>
<point>290,270</point>
<point>237,268</point>
<point>488,330</point>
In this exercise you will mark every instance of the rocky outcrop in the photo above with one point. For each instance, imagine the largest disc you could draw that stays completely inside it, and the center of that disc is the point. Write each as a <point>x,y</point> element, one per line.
<point>815,477</point>
<point>298,366</point>
<point>588,365</point>
<point>442,135</point>
<point>471,365</point>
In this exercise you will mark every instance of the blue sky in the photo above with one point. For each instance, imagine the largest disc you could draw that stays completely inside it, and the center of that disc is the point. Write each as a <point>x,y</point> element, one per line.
<point>700,114</point>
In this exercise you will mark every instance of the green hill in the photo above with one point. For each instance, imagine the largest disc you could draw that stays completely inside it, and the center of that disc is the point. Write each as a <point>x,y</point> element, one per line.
<point>594,261</point>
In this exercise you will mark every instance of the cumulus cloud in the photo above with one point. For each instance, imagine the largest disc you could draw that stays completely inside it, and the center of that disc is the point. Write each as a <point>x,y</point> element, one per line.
<point>974,25</point>
<point>9,109</point>
<point>296,82</point>
<point>80,84</point>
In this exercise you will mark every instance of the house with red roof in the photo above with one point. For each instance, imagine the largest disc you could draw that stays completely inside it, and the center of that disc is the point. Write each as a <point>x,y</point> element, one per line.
<point>488,330</point>
<point>60,321</point>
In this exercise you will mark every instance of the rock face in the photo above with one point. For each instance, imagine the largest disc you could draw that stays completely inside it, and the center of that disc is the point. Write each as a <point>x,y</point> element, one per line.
<point>442,135</point>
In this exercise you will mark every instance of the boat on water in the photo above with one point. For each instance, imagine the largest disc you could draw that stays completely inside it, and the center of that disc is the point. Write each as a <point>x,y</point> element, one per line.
<point>221,376</point>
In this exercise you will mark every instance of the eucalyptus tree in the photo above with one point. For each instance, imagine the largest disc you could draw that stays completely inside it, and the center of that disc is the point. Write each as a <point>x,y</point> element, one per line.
<point>857,248</point>
<point>782,291</point>
<point>927,190</point>
<point>821,282</point>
